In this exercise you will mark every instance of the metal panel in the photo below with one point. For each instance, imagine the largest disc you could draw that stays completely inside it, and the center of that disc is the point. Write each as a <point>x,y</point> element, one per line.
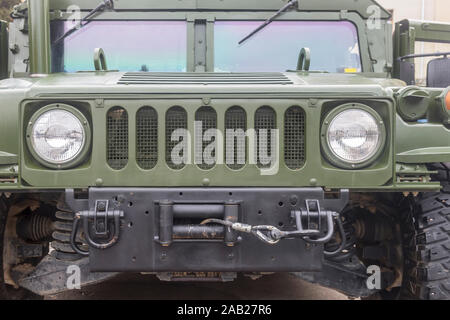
<point>97,170</point>
<point>3,50</point>
<point>139,248</point>
<point>365,8</point>
<point>360,6</point>
<point>200,46</point>
<point>39,36</point>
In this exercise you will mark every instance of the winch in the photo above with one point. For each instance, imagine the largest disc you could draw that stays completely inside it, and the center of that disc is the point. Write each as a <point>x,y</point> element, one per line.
<point>188,229</point>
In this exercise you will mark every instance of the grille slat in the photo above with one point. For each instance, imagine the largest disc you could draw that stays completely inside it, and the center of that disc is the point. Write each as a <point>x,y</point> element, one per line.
<point>294,138</point>
<point>117,138</point>
<point>176,118</point>
<point>235,148</point>
<point>265,121</point>
<point>147,138</point>
<point>207,116</point>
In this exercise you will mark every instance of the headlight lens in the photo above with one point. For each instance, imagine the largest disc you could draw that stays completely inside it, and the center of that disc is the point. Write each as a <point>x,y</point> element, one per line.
<point>354,136</point>
<point>58,136</point>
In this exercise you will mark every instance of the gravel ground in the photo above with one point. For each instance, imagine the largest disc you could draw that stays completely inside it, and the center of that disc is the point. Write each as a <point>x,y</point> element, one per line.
<point>148,287</point>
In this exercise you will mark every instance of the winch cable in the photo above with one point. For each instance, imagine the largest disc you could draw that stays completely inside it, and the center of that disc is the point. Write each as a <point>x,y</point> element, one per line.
<point>274,235</point>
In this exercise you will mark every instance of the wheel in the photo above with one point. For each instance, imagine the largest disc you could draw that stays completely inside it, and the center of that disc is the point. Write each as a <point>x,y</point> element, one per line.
<point>431,280</point>
<point>7,292</point>
<point>425,229</point>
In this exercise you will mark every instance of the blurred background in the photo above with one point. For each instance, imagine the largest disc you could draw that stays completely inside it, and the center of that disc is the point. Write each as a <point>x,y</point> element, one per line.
<point>431,10</point>
<point>6,7</point>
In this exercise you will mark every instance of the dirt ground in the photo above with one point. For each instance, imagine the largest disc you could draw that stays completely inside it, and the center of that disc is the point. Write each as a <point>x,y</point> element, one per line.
<point>148,287</point>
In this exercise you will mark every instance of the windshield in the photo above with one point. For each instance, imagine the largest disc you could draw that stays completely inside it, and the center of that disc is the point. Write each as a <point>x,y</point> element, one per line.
<point>128,45</point>
<point>162,46</point>
<point>334,46</point>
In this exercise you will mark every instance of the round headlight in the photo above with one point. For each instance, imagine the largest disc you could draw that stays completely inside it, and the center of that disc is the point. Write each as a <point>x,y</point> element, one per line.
<point>354,134</point>
<point>57,135</point>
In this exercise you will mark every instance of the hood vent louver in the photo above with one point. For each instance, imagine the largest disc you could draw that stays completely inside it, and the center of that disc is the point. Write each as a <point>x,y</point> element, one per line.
<point>150,78</point>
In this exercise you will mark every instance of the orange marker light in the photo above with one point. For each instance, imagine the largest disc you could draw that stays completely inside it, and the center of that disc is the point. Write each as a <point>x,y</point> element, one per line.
<point>447,100</point>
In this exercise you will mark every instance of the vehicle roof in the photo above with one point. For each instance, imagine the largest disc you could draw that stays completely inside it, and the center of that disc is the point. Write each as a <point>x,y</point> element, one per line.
<point>361,6</point>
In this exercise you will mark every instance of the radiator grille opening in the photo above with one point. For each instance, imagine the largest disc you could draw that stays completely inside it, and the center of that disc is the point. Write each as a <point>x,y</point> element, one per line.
<point>265,122</point>
<point>294,138</point>
<point>176,118</point>
<point>205,155</point>
<point>117,136</point>
<point>146,138</point>
<point>235,139</point>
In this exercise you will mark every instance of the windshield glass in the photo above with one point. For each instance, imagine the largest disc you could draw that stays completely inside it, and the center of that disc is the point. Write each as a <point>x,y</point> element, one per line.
<point>128,45</point>
<point>334,46</point>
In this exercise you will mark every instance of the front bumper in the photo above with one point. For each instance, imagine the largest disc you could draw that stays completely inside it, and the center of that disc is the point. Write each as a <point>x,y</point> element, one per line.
<point>151,241</point>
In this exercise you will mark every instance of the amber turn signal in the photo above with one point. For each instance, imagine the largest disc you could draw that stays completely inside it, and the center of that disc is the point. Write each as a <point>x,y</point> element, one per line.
<point>447,100</point>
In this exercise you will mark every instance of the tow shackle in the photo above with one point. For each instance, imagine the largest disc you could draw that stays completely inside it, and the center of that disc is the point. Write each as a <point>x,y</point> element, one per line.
<point>102,218</point>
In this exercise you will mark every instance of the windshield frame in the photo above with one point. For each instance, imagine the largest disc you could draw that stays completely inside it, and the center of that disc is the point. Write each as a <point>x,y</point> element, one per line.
<point>207,32</point>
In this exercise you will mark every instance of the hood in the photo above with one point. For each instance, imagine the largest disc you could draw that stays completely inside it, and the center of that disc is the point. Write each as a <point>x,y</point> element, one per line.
<point>115,83</point>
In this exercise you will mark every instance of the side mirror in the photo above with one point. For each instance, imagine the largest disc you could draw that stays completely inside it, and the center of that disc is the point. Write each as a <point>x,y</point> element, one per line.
<point>3,50</point>
<point>438,73</point>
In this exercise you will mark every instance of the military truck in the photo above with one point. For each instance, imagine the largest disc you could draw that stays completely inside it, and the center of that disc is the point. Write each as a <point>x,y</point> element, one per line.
<point>209,139</point>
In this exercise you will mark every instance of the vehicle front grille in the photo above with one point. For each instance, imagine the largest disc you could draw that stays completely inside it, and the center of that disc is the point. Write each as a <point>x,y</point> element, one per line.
<point>236,137</point>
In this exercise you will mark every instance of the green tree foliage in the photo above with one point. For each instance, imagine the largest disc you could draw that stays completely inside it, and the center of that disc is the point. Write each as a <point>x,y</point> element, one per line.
<point>6,7</point>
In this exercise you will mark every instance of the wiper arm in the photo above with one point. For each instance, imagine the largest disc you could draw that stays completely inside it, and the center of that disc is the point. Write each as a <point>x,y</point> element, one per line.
<point>270,20</point>
<point>100,8</point>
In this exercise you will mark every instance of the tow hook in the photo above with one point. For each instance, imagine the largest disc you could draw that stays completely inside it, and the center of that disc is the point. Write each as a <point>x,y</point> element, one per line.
<point>106,227</point>
<point>312,225</point>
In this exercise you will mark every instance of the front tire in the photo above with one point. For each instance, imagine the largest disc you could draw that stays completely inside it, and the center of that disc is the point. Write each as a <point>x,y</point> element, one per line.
<point>429,277</point>
<point>424,224</point>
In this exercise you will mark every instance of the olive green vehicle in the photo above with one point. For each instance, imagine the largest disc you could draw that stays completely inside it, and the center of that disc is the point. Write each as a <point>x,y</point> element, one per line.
<point>205,139</point>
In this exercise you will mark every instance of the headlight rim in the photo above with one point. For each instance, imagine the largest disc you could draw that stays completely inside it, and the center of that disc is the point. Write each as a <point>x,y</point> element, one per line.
<point>80,157</point>
<point>326,148</point>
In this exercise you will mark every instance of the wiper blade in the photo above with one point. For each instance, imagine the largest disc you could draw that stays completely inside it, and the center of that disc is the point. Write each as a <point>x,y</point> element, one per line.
<point>100,8</point>
<point>270,20</point>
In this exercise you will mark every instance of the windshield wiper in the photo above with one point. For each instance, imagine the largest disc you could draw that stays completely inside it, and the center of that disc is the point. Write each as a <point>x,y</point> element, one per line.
<point>100,8</point>
<point>270,20</point>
